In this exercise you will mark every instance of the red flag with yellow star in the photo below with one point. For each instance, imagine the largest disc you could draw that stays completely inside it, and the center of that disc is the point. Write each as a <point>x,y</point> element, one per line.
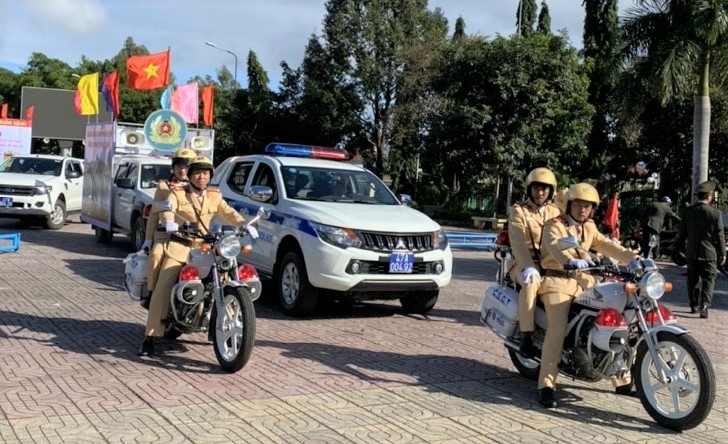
<point>148,71</point>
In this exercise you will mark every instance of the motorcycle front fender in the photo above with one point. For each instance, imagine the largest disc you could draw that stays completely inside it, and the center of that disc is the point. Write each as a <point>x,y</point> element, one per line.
<point>253,287</point>
<point>652,340</point>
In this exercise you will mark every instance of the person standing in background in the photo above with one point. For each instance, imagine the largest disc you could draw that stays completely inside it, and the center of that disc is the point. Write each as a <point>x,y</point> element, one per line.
<point>653,222</point>
<point>702,238</point>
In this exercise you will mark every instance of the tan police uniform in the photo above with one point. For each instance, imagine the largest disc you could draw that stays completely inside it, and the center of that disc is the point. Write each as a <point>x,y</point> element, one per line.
<point>525,226</point>
<point>158,238</point>
<point>557,290</point>
<point>191,206</point>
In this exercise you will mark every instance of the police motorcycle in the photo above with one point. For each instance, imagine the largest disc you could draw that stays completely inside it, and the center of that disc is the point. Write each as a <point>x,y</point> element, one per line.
<point>616,329</point>
<point>214,292</point>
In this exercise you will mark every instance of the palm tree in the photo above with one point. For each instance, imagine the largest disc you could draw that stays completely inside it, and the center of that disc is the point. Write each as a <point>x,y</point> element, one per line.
<point>678,42</point>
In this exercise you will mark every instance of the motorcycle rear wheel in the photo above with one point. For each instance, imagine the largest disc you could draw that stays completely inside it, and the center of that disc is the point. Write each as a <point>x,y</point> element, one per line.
<point>686,399</point>
<point>233,343</point>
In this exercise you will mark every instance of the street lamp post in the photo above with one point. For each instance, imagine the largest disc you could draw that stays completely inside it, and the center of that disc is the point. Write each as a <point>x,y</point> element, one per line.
<point>235,76</point>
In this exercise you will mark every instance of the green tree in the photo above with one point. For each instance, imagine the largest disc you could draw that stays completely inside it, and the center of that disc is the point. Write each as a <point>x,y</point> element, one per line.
<point>371,41</point>
<point>526,16</point>
<point>544,19</point>
<point>517,103</point>
<point>601,51</point>
<point>677,42</point>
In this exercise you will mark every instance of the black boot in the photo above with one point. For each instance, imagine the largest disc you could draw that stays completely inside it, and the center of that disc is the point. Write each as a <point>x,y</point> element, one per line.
<point>147,347</point>
<point>145,300</point>
<point>624,390</point>
<point>547,398</point>
<point>704,311</point>
<point>527,349</point>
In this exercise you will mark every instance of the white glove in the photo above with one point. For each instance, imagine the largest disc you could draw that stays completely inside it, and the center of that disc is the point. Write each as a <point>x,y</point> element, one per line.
<point>252,231</point>
<point>581,263</point>
<point>171,227</point>
<point>147,245</point>
<point>529,275</point>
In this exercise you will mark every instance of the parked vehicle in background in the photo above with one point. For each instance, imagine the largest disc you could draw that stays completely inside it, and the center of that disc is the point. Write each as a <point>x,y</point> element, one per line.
<point>42,188</point>
<point>123,170</point>
<point>135,180</point>
<point>335,230</point>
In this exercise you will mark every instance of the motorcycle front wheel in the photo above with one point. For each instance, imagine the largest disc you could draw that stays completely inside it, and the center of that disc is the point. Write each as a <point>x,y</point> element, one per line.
<point>233,342</point>
<point>685,399</point>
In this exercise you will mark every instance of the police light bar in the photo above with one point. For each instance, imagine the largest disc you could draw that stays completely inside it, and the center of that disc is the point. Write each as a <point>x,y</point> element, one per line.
<point>310,151</point>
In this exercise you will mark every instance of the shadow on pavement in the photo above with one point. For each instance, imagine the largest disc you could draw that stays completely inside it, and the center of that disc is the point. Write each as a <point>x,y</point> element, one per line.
<point>441,374</point>
<point>95,338</point>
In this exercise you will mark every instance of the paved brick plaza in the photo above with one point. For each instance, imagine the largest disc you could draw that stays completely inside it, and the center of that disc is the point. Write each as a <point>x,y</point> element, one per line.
<point>364,374</point>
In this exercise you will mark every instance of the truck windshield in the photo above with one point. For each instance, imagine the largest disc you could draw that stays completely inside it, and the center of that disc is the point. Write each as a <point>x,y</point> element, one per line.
<point>32,165</point>
<point>152,174</point>
<point>336,185</point>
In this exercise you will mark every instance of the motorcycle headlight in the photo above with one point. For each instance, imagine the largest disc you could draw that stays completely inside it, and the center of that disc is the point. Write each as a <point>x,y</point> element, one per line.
<point>228,247</point>
<point>652,285</point>
<point>341,237</point>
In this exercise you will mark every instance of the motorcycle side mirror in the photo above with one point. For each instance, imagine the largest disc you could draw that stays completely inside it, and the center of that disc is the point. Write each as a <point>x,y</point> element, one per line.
<point>568,242</point>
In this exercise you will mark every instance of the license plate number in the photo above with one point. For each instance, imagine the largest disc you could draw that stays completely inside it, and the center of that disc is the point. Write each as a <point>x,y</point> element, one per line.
<point>6,201</point>
<point>401,262</point>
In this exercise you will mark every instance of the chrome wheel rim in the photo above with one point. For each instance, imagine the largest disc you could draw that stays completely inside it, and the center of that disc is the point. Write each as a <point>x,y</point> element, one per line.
<point>679,396</point>
<point>230,335</point>
<point>290,283</point>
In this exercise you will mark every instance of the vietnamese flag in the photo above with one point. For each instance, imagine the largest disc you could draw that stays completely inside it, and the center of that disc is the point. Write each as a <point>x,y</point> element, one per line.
<point>207,98</point>
<point>110,92</point>
<point>4,111</point>
<point>148,71</point>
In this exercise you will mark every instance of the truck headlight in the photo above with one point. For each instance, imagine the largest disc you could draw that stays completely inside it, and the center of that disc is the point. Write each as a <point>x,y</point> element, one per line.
<point>439,240</point>
<point>42,189</point>
<point>341,237</point>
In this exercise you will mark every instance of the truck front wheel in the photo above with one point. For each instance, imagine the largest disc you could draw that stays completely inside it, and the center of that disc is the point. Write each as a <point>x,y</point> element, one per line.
<point>295,293</point>
<point>138,231</point>
<point>57,218</point>
<point>103,236</point>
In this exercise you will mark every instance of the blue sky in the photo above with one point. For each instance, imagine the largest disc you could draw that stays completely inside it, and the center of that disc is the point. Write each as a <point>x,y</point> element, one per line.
<point>275,30</point>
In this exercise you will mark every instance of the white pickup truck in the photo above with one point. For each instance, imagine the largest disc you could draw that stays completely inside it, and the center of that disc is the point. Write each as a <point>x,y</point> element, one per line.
<point>41,187</point>
<point>134,183</point>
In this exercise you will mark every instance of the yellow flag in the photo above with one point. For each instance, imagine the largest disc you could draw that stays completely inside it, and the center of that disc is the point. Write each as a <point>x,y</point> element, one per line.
<point>88,92</point>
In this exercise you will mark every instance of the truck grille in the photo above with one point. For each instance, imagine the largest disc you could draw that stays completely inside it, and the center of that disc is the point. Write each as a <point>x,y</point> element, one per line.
<point>14,190</point>
<point>387,242</point>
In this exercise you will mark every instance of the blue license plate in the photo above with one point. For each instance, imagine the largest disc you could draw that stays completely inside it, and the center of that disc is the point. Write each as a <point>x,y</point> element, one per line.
<point>6,201</point>
<point>401,262</point>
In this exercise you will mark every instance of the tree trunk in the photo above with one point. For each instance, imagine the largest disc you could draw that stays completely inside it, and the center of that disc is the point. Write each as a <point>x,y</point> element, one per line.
<point>701,128</point>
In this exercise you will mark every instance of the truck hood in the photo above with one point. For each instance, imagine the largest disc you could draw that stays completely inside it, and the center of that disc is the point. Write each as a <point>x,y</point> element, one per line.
<point>26,180</point>
<point>382,218</point>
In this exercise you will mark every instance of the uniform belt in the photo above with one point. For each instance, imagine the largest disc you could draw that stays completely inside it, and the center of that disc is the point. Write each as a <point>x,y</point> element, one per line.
<point>183,241</point>
<point>558,273</point>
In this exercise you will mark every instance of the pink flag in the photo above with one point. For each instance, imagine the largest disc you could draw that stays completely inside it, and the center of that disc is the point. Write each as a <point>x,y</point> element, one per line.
<point>185,102</point>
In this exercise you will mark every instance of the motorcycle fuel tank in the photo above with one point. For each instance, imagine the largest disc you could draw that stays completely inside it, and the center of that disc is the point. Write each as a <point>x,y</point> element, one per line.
<point>604,295</point>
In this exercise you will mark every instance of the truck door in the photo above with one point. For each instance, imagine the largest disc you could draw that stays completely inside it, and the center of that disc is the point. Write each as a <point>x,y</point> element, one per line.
<point>73,173</point>
<point>123,193</point>
<point>269,230</point>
